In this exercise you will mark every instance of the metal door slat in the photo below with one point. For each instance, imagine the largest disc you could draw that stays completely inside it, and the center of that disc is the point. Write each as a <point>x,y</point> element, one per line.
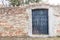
<point>40,21</point>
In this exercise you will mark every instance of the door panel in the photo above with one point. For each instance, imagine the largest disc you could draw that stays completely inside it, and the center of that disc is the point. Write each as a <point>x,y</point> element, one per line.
<point>40,21</point>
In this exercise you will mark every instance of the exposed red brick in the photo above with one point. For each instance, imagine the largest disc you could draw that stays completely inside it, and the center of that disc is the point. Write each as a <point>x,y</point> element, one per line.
<point>58,30</point>
<point>10,33</point>
<point>1,33</point>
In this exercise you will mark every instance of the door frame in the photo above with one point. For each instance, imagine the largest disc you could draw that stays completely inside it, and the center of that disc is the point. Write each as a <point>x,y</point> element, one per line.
<point>50,22</point>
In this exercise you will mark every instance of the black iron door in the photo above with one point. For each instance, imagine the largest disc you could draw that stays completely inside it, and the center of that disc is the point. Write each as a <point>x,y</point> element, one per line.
<point>40,21</point>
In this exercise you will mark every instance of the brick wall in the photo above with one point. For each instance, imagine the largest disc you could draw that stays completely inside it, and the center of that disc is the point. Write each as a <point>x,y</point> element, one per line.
<point>13,21</point>
<point>57,20</point>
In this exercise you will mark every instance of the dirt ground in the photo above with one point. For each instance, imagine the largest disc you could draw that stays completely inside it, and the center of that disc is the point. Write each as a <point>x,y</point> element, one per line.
<point>28,38</point>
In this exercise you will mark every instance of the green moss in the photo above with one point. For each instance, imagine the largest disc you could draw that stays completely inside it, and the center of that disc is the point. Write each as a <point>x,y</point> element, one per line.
<point>15,2</point>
